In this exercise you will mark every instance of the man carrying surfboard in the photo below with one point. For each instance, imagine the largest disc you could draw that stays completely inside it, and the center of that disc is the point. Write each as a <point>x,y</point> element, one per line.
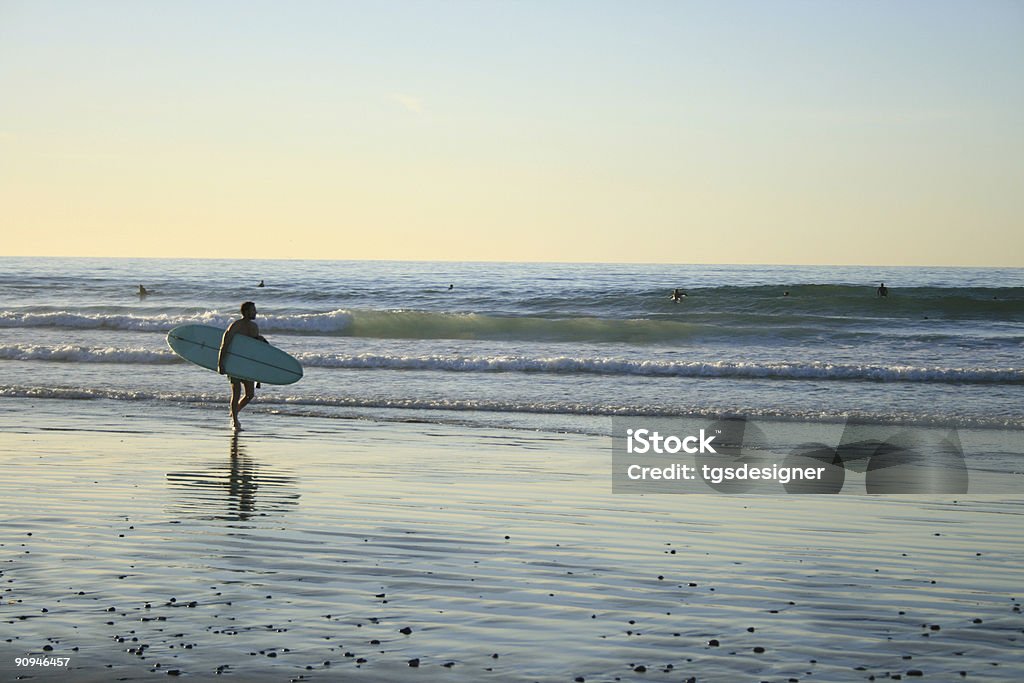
<point>247,327</point>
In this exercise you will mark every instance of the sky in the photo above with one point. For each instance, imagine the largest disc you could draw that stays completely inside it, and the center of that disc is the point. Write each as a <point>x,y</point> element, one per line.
<point>803,132</point>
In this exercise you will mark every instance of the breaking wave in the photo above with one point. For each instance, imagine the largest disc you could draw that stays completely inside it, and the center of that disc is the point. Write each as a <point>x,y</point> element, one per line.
<point>564,365</point>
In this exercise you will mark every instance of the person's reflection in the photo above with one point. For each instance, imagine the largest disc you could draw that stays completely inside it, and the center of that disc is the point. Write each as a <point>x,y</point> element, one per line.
<point>242,482</point>
<point>203,490</point>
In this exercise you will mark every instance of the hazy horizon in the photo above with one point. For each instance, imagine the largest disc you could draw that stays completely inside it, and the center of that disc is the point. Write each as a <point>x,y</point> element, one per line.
<point>512,262</point>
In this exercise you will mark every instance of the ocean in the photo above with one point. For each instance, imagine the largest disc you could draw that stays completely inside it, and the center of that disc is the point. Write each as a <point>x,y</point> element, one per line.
<point>549,347</point>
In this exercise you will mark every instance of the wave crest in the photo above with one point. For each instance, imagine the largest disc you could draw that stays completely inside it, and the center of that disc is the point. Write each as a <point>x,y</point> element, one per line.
<point>565,365</point>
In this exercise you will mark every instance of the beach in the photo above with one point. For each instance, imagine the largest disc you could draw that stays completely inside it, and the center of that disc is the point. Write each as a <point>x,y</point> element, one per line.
<point>525,342</point>
<point>441,496</point>
<point>307,548</point>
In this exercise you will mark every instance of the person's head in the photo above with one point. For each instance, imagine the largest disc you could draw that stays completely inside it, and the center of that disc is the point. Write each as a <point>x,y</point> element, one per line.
<point>248,310</point>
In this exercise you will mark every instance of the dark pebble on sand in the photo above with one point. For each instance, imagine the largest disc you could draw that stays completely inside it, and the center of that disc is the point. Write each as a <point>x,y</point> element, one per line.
<point>758,649</point>
<point>579,679</point>
<point>713,642</point>
<point>915,672</point>
<point>47,648</point>
<point>414,662</point>
<point>448,665</point>
<point>977,621</point>
<point>640,669</point>
<point>406,630</point>
<point>494,656</point>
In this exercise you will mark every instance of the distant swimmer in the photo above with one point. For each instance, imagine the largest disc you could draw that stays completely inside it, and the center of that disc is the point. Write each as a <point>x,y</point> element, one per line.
<point>677,295</point>
<point>786,293</point>
<point>451,287</point>
<point>245,326</point>
<point>882,290</point>
<point>142,291</point>
<point>261,284</point>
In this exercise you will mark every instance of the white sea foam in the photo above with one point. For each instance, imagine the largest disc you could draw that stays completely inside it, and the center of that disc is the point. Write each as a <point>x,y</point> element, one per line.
<point>82,354</point>
<point>563,365</point>
<point>110,321</point>
<point>327,406</point>
<point>659,368</point>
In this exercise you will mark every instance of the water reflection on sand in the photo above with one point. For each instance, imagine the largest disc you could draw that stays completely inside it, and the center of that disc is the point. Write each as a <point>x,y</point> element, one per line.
<point>236,489</point>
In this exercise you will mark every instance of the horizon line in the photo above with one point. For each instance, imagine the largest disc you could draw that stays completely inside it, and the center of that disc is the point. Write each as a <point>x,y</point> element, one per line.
<point>494,261</point>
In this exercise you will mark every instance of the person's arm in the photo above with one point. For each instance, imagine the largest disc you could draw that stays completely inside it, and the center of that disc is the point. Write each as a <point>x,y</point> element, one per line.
<point>225,342</point>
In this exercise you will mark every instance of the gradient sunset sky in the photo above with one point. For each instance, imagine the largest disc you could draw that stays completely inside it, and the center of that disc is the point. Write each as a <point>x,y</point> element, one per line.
<point>811,132</point>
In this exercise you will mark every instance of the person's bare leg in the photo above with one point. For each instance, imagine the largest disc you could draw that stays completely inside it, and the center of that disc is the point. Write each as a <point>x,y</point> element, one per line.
<point>250,392</point>
<point>236,404</point>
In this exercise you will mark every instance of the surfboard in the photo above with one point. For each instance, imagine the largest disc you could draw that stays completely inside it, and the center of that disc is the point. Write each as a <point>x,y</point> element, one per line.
<point>247,358</point>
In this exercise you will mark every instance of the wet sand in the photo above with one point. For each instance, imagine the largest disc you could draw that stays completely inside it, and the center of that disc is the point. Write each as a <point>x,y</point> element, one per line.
<point>312,549</point>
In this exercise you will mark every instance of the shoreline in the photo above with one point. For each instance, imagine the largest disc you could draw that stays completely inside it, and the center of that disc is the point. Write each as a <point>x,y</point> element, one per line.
<point>481,541</point>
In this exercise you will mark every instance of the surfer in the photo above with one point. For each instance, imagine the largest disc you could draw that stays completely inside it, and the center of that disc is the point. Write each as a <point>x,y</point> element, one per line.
<point>677,295</point>
<point>245,326</point>
<point>882,290</point>
<point>142,291</point>
<point>261,284</point>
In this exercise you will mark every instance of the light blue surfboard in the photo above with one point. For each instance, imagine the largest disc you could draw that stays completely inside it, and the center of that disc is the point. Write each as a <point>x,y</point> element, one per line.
<point>247,358</point>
